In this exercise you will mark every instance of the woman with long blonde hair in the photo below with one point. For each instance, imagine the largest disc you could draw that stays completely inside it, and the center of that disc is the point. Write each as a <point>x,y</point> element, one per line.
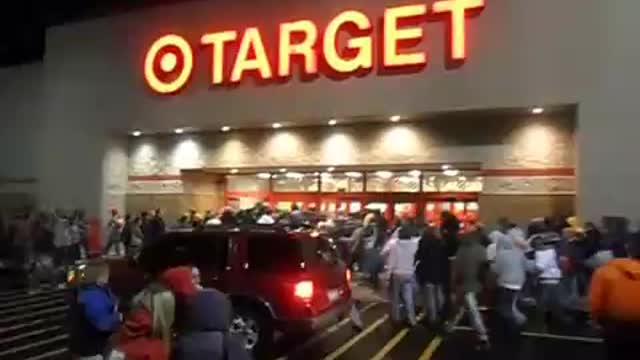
<point>147,332</point>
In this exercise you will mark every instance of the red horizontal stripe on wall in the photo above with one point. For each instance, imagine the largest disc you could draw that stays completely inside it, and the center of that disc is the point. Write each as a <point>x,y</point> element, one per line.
<point>530,172</point>
<point>154,177</point>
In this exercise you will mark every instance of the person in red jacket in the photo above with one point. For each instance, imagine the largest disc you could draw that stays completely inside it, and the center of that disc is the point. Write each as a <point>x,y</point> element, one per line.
<point>147,331</point>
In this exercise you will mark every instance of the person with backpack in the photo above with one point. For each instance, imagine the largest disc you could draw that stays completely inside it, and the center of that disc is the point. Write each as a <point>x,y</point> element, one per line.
<point>615,290</point>
<point>205,334</point>
<point>94,314</point>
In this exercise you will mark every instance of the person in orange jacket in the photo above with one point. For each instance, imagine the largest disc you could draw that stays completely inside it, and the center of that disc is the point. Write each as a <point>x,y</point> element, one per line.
<point>615,303</point>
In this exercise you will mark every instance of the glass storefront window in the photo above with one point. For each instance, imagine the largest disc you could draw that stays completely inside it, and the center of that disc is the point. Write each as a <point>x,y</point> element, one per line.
<point>342,182</point>
<point>461,182</point>
<point>295,182</point>
<point>387,181</point>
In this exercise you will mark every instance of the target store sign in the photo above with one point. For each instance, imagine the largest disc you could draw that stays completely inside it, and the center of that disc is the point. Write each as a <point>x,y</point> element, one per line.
<point>169,62</point>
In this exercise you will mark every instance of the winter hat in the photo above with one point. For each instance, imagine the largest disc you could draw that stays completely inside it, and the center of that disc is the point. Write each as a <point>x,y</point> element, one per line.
<point>179,281</point>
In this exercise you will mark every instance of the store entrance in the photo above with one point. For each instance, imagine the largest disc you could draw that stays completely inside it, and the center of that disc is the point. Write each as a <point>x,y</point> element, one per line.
<point>422,193</point>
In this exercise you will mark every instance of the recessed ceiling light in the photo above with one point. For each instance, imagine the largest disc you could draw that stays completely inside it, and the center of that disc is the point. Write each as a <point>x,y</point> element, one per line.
<point>537,110</point>
<point>178,130</point>
<point>234,171</point>
<point>384,174</point>
<point>225,128</point>
<point>415,173</point>
<point>136,133</point>
<point>283,170</point>
<point>353,174</point>
<point>333,122</point>
<point>264,175</point>
<point>330,168</point>
<point>276,125</point>
<point>395,118</point>
<point>446,166</point>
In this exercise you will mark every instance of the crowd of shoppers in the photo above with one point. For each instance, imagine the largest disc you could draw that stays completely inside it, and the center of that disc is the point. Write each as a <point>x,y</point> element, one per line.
<point>171,318</point>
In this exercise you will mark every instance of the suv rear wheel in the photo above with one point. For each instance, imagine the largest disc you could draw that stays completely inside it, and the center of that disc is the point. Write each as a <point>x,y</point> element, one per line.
<point>254,330</point>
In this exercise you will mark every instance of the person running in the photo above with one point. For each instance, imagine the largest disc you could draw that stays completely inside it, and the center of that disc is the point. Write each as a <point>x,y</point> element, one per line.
<point>114,238</point>
<point>94,314</point>
<point>449,230</point>
<point>431,267</point>
<point>401,259</point>
<point>511,267</point>
<point>205,334</point>
<point>147,330</point>
<point>615,290</point>
<point>470,260</point>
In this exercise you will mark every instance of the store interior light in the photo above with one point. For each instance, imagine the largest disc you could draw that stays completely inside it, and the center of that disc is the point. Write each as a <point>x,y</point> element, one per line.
<point>353,174</point>
<point>136,133</point>
<point>462,178</point>
<point>316,173</point>
<point>330,168</point>
<point>395,118</point>
<point>432,178</point>
<point>451,172</point>
<point>294,175</point>
<point>178,130</point>
<point>446,166</point>
<point>415,173</point>
<point>225,128</point>
<point>537,110</point>
<point>333,122</point>
<point>283,170</point>
<point>326,175</point>
<point>384,174</point>
<point>276,125</point>
<point>264,176</point>
<point>234,171</point>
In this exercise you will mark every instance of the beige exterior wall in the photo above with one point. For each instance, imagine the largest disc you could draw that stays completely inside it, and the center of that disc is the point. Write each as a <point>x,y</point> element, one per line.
<point>524,142</point>
<point>163,168</point>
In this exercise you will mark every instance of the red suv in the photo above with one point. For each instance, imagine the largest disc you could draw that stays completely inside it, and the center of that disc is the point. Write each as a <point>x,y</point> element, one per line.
<point>276,280</point>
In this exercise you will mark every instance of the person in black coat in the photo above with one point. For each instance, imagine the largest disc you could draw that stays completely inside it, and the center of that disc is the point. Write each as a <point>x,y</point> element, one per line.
<point>432,266</point>
<point>205,334</point>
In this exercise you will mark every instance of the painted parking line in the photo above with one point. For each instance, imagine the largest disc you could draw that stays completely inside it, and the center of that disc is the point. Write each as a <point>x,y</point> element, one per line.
<point>332,329</point>
<point>591,340</point>
<point>349,344</point>
<point>431,349</point>
<point>394,341</point>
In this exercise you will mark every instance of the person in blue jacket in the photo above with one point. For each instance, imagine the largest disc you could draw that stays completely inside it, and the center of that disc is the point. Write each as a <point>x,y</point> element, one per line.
<point>94,314</point>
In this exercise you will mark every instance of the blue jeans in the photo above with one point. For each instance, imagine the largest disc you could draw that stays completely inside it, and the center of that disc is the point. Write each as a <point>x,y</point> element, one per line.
<point>433,301</point>
<point>403,286</point>
<point>477,323</point>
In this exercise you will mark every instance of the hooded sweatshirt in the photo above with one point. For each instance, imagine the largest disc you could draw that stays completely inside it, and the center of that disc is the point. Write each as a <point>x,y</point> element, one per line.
<point>180,281</point>
<point>615,290</point>
<point>205,333</point>
<point>510,265</point>
<point>469,262</point>
<point>136,341</point>
<point>402,255</point>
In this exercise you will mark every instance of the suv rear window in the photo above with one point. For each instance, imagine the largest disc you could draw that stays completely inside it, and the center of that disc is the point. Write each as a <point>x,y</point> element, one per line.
<point>278,252</point>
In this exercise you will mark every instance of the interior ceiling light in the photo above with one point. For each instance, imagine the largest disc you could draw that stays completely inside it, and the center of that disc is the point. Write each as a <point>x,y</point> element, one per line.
<point>326,175</point>
<point>276,125</point>
<point>332,122</point>
<point>451,172</point>
<point>264,175</point>
<point>415,173</point>
<point>395,118</point>
<point>384,174</point>
<point>316,173</point>
<point>136,133</point>
<point>225,128</point>
<point>234,171</point>
<point>330,168</point>
<point>178,130</point>
<point>462,178</point>
<point>294,175</point>
<point>537,110</point>
<point>353,174</point>
<point>446,166</point>
<point>283,170</point>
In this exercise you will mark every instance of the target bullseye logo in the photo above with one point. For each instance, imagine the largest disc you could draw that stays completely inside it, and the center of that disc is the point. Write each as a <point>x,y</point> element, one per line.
<point>168,64</point>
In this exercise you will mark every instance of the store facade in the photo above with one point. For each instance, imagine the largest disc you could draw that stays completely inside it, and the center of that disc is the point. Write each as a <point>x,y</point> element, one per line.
<point>463,87</point>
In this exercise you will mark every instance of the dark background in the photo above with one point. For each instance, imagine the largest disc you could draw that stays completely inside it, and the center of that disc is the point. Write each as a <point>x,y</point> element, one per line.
<point>23,22</point>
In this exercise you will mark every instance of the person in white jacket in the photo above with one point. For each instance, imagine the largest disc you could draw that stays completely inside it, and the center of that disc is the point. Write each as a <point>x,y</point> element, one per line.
<point>401,259</point>
<point>547,264</point>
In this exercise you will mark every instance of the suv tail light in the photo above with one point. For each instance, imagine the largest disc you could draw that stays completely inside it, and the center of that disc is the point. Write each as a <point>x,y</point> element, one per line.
<point>304,290</point>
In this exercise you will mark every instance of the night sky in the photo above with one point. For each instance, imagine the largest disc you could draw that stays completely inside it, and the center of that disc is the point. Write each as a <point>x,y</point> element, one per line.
<point>23,22</point>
